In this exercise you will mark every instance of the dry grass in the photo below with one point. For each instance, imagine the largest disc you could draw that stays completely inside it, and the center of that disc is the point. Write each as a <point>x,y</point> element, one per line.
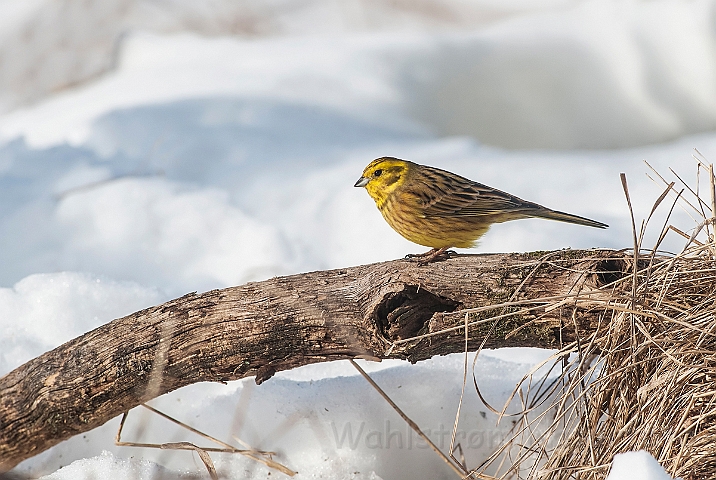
<point>645,379</point>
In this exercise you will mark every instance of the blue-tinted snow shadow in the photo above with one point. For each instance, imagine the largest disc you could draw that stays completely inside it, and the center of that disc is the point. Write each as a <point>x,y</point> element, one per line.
<point>228,143</point>
<point>221,141</point>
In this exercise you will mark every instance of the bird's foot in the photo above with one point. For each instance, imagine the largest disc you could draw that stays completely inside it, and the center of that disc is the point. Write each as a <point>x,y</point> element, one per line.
<point>431,255</point>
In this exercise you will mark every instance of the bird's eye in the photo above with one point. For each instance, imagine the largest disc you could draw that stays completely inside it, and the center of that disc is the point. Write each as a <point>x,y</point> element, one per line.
<point>378,173</point>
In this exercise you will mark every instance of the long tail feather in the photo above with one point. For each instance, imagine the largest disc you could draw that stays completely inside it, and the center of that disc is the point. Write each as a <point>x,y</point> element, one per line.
<point>567,217</point>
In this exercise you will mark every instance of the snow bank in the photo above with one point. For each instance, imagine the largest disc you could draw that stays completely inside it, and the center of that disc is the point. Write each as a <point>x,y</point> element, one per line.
<point>601,75</point>
<point>323,427</point>
<point>108,467</point>
<point>627,466</point>
<point>52,45</point>
<point>165,232</point>
<point>43,311</point>
<point>598,75</point>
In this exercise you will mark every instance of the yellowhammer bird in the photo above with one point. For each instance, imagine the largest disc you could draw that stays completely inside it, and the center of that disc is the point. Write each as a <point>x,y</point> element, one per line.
<point>439,209</point>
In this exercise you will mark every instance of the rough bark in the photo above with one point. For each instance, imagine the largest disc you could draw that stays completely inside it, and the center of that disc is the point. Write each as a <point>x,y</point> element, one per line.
<point>260,328</point>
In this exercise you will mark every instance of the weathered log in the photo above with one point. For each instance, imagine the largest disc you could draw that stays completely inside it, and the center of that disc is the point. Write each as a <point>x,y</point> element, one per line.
<point>260,328</point>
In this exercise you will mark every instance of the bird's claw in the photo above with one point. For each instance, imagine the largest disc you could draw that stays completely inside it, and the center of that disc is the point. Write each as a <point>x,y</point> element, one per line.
<point>431,256</point>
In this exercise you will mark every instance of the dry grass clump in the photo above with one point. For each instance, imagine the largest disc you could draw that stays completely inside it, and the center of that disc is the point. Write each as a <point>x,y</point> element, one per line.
<point>645,380</point>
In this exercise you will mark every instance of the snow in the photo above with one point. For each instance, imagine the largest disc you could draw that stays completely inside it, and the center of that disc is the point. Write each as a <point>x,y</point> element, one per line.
<point>196,162</point>
<point>636,466</point>
<point>57,307</point>
<point>321,427</point>
<point>48,45</point>
<point>598,75</point>
<point>108,467</point>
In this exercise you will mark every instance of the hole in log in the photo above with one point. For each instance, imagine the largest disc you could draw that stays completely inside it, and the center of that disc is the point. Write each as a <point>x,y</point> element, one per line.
<point>611,270</point>
<point>404,314</point>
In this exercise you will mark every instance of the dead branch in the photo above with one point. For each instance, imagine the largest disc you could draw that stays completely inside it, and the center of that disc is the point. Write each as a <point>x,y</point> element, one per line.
<point>395,309</point>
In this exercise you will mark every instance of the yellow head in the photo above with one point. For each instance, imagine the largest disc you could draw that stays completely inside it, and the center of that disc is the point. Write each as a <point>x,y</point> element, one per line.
<point>383,176</point>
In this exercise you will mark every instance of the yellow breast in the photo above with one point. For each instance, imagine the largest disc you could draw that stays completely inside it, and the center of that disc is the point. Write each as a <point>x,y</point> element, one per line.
<point>404,214</point>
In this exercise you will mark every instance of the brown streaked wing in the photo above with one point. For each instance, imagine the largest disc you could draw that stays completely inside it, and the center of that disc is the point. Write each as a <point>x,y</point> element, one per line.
<point>451,195</point>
